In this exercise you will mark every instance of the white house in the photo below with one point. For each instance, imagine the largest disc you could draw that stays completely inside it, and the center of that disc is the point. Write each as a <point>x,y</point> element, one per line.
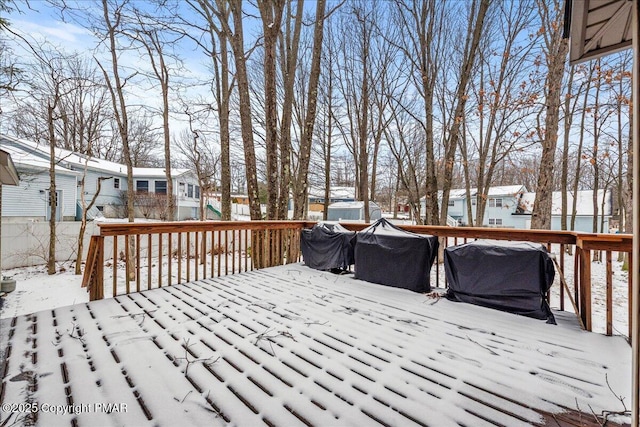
<point>584,213</point>
<point>511,206</point>
<point>77,177</point>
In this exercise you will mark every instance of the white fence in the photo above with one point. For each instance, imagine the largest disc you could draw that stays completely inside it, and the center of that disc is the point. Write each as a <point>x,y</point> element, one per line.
<point>27,243</point>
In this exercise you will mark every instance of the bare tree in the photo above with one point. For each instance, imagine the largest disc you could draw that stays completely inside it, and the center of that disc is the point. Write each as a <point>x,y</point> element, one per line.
<point>504,99</point>
<point>271,15</point>
<point>199,156</point>
<point>240,59</point>
<point>155,45</point>
<point>212,38</point>
<point>473,35</point>
<point>301,183</point>
<point>555,51</point>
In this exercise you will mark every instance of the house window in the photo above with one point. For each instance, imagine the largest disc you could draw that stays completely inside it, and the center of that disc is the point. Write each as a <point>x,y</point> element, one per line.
<point>495,203</point>
<point>116,182</point>
<point>190,190</point>
<point>452,203</point>
<point>181,191</point>
<point>495,221</point>
<point>161,187</point>
<point>142,186</point>
<point>197,192</point>
<point>473,202</point>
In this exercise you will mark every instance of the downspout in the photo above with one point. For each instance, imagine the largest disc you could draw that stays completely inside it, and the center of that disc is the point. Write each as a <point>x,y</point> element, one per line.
<point>635,273</point>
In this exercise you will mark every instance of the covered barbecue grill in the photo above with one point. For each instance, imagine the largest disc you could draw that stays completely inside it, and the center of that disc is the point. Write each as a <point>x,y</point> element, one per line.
<point>388,255</point>
<point>508,276</point>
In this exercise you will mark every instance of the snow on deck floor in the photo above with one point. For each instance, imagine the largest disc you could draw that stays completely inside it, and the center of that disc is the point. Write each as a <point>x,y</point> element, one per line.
<point>291,346</point>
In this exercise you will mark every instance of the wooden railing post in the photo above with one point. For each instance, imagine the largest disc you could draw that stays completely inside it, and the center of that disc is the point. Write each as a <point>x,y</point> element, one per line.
<point>585,286</point>
<point>94,269</point>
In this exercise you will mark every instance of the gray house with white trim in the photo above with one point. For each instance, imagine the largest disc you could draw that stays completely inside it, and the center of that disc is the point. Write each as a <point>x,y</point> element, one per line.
<point>77,177</point>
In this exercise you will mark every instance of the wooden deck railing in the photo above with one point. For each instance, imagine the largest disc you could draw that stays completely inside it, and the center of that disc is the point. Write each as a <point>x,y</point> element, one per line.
<point>160,254</point>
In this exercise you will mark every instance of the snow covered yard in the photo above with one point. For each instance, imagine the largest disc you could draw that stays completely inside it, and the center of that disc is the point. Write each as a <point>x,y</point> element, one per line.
<point>290,345</point>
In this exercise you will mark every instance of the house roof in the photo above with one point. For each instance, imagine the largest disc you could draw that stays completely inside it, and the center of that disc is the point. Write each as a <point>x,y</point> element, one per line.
<point>597,27</point>
<point>335,192</point>
<point>584,202</point>
<point>24,160</point>
<point>72,159</point>
<point>158,172</point>
<point>501,190</point>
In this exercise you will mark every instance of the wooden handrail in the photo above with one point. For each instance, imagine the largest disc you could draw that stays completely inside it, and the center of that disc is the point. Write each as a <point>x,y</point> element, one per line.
<point>247,245</point>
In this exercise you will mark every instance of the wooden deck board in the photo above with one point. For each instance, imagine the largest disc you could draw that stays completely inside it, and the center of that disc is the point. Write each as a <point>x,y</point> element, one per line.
<point>294,346</point>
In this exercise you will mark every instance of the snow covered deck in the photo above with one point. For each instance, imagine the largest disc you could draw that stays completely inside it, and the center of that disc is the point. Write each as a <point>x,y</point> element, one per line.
<point>290,346</point>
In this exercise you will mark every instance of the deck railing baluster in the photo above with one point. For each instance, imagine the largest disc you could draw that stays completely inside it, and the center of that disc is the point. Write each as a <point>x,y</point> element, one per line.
<point>115,265</point>
<point>219,250</point>
<point>226,252</point>
<point>213,253</point>
<point>127,261</point>
<point>160,260</point>
<point>170,256</point>
<point>609,292</point>
<point>137,263</point>
<point>197,257</point>
<point>562,250</point>
<point>188,256</point>
<point>179,257</point>
<point>149,263</point>
<point>233,252</point>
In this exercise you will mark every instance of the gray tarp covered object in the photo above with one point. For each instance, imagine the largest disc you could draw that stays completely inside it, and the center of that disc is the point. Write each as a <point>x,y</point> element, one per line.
<point>508,276</point>
<point>388,255</point>
<point>327,247</point>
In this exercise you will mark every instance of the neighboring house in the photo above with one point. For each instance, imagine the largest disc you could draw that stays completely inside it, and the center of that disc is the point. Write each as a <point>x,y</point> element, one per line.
<point>336,194</point>
<point>29,200</point>
<point>511,207</point>
<point>74,170</point>
<point>584,210</point>
<point>502,202</point>
<point>352,211</point>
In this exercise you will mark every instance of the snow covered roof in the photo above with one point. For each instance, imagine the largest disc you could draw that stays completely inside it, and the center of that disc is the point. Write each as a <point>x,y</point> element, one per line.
<point>24,160</point>
<point>503,190</point>
<point>291,345</point>
<point>335,192</point>
<point>158,172</point>
<point>584,202</point>
<point>70,159</point>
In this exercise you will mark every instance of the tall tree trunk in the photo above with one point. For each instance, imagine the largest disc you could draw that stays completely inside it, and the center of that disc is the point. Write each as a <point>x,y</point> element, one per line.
<point>271,14</point>
<point>237,44</point>
<point>556,53</point>
<point>53,194</point>
<point>116,90</point>
<point>471,48</point>
<point>290,45</point>
<point>225,138</point>
<point>300,201</point>
<point>564,174</point>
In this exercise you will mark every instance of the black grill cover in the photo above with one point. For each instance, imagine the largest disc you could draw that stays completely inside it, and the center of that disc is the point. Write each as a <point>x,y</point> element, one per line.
<point>508,276</point>
<point>388,255</point>
<point>327,247</point>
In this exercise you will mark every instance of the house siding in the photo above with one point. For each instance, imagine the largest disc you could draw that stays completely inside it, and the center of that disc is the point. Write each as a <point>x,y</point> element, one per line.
<point>108,194</point>
<point>29,198</point>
